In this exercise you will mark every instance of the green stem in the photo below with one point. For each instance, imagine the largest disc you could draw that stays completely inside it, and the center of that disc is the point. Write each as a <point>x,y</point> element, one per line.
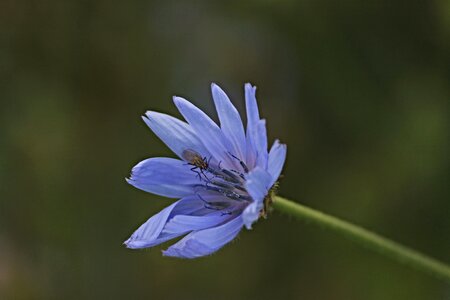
<point>372,240</point>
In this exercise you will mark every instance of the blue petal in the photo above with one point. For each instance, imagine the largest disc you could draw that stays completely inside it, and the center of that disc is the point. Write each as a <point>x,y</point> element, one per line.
<point>252,124</point>
<point>277,156</point>
<point>257,185</point>
<point>261,144</point>
<point>176,134</point>
<point>212,136</point>
<point>155,230</point>
<point>180,223</point>
<point>230,121</point>
<point>207,241</point>
<point>164,176</point>
<point>251,104</point>
<point>147,234</point>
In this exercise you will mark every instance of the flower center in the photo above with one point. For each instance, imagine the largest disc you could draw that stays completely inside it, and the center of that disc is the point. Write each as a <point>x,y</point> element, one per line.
<point>227,182</point>
<point>224,181</point>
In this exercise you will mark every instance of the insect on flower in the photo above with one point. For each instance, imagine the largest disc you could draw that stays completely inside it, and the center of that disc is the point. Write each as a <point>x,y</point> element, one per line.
<point>224,177</point>
<point>194,159</point>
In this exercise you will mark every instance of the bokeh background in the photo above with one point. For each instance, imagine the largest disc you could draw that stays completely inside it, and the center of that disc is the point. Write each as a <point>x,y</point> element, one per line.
<point>359,90</point>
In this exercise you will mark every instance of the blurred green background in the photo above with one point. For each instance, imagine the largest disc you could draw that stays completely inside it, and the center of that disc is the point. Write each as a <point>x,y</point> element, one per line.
<point>359,90</point>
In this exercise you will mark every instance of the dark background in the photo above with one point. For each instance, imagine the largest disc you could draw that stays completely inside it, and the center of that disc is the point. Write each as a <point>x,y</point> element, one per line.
<point>359,90</point>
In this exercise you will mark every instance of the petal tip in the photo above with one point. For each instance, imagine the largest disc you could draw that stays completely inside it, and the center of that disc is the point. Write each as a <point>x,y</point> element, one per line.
<point>180,102</point>
<point>217,92</point>
<point>149,114</point>
<point>248,223</point>
<point>250,87</point>
<point>177,99</point>
<point>128,244</point>
<point>130,180</point>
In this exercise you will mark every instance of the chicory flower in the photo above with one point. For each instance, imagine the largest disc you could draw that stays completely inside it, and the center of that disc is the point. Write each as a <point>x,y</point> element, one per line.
<point>223,176</point>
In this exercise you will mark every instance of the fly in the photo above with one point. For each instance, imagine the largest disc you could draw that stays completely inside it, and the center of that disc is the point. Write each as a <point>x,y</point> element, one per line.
<point>199,164</point>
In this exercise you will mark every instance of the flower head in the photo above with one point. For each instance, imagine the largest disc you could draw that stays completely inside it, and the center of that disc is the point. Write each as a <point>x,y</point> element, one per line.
<point>222,177</point>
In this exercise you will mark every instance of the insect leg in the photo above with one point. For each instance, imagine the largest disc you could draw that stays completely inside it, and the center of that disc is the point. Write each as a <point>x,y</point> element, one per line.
<point>194,169</point>
<point>204,175</point>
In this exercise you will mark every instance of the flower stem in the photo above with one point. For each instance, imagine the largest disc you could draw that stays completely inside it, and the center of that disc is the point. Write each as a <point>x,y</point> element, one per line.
<point>371,240</point>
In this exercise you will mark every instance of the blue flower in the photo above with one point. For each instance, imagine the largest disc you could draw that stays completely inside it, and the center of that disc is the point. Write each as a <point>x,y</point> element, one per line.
<point>223,176</point>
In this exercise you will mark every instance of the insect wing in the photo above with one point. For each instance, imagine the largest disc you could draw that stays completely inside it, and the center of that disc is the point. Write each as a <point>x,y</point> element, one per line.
<point>190,155</point>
